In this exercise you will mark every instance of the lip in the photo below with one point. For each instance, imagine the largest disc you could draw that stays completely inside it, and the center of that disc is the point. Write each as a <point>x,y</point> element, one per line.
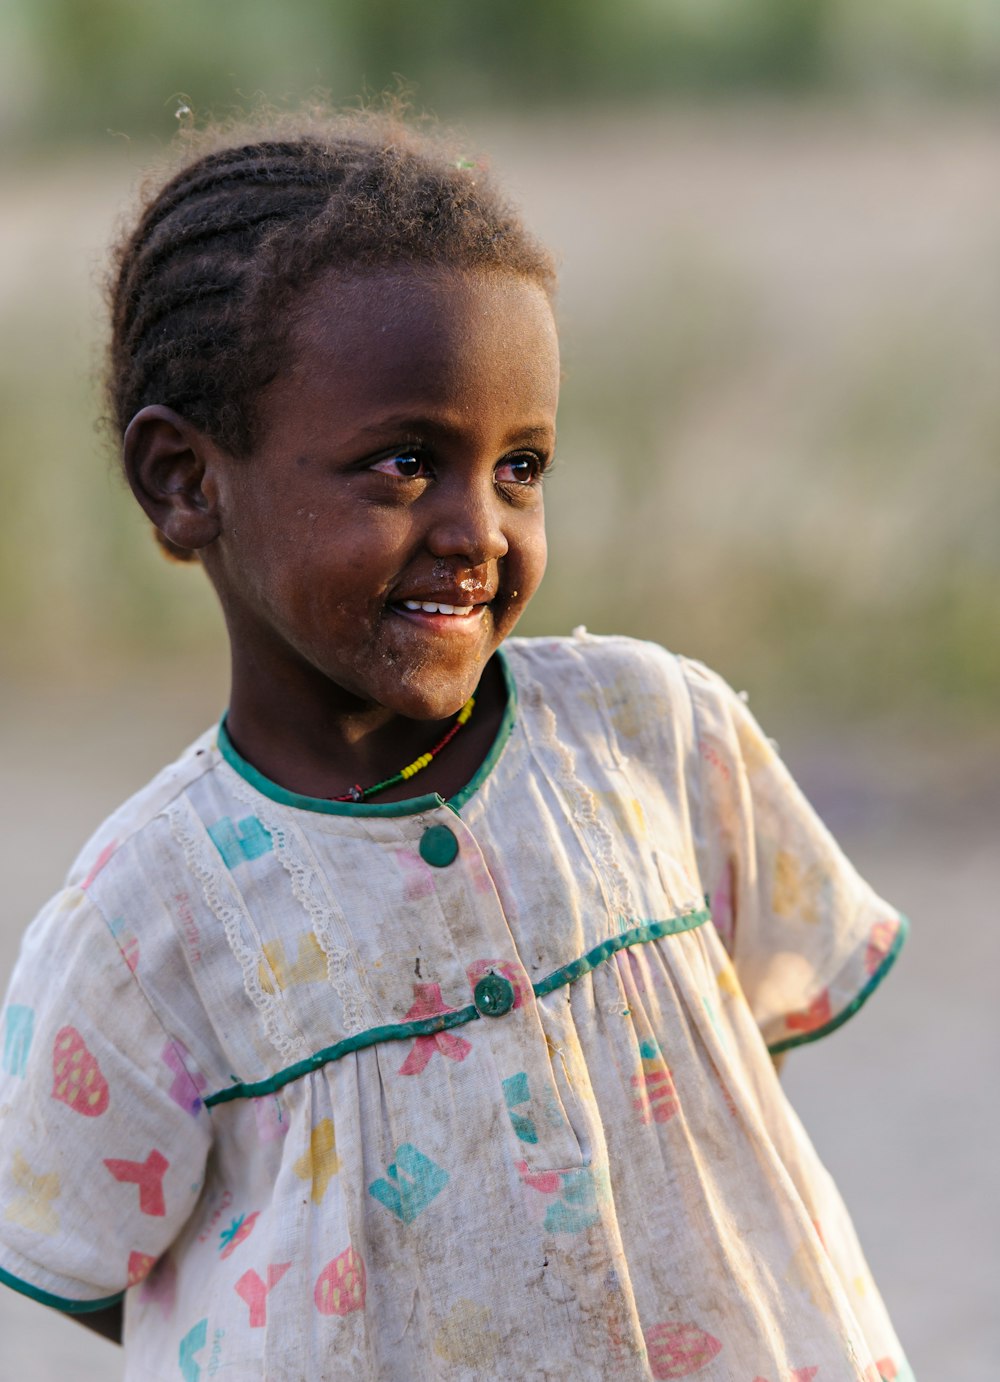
<point>462,595</point>
<point>455,625</point>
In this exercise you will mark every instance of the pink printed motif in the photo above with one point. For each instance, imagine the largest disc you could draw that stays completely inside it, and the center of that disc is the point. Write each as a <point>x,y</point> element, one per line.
<point>519,980</point>
<point>188,1084</point>
<point>657,1097</point>
<point>78,1082</point>
<point>818,1014</point>
<point>887,1370</point>
<point>721,905</point>
<point>160,1287</point>
<point>429,1003</point>
<point>127,942</point>
<point>880,940</point>
<point>99,863</point>
<point>547,1182</point>
<point>251,1289</point>
<point>418,881</point>
<point>147,1175</point>
<point>238,1232</point>
<point>140,1264</point>
<point>272,1122</point>
<point>796,1375</point>
<point>341,1285</point>
<point>679,1350</point>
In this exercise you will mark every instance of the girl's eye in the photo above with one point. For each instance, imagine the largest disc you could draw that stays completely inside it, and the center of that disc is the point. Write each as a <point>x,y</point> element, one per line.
<point>520,470</point>
<point>405,465</point>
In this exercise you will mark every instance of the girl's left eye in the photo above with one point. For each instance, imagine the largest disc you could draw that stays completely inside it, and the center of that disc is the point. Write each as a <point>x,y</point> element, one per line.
<point>525,469</point>
<point>405,465</point>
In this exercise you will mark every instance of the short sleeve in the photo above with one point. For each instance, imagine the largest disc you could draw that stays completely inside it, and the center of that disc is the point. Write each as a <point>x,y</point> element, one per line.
<point>809,939</point>
<point>103,1137</point>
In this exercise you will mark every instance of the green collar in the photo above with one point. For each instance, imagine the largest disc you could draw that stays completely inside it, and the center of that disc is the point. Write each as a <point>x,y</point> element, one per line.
<point>413,805</point>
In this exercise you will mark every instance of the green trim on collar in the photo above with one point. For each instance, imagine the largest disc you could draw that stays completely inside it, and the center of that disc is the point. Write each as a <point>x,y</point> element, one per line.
<point>68,1307</point>
<point>430,1026</point>
<point>499,743</point>
<point>786,1043</point>
<point>412,806</point>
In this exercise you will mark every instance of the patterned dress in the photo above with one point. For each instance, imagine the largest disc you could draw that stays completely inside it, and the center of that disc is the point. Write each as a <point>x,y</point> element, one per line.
<point>454,1090</point>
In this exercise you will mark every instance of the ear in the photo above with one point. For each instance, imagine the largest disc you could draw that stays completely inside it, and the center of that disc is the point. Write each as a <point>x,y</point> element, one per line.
<point>169,465</point>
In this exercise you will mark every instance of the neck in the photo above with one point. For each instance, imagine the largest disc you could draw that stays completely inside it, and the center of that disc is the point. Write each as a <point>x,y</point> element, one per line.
<point>316,741</point>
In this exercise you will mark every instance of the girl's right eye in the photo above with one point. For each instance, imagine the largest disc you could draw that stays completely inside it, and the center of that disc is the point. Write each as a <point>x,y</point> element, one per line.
<point>405,465</point>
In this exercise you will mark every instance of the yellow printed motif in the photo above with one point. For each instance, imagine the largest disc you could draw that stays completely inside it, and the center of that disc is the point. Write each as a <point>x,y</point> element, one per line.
<point>626,812</point>
<point>309,966</point>
<point>33,1209</point>
<point>727,981</point>
<point>798,893</point>
<point>464,1338</point>
<point>803,1275</point>
<point>321,1162</point>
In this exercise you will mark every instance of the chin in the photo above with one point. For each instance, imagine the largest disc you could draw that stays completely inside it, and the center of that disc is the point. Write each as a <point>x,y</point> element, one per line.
<point>434,699</point>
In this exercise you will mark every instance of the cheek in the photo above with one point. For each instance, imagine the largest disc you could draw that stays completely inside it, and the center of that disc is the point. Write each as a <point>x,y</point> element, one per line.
<point>533,556</point>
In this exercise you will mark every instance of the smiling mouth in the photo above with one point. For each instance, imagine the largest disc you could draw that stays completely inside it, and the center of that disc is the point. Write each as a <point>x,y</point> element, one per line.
<point>432,607</point>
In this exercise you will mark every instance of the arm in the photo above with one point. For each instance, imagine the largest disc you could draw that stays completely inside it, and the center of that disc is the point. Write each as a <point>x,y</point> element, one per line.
<point>107,1323</point>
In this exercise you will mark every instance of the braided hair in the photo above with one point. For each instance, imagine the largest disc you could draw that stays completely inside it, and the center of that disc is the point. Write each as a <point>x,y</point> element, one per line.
<point>201,286</point>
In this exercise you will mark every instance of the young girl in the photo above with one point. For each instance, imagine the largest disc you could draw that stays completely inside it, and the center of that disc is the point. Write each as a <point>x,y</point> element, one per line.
<point>414,1024</point>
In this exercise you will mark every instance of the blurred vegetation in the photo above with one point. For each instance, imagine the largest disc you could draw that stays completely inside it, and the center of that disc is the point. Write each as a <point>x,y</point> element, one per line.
<point>780,423</point>
<point>73,69</point>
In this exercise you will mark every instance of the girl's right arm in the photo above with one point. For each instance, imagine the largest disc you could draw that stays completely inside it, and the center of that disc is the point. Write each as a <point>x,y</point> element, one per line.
<point>103,1138</point>
<point>107,1323</point>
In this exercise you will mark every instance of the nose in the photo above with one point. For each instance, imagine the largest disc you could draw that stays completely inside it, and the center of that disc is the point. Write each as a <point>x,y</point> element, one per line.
<point>467,524</point>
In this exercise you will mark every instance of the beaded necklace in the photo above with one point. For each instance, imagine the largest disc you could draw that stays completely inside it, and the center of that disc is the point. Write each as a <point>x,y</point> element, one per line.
<point>359,793</point>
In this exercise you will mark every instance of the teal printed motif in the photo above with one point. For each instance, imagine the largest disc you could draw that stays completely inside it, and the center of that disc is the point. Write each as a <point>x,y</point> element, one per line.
<point>713,1017</point>
<point>515,1092</point>
<point>578,1207</point>
<point>193,1342</point>
<point>20,1028</point>
<point>409,1195</point>
<point>240,841</point>
<point>648,1050</point>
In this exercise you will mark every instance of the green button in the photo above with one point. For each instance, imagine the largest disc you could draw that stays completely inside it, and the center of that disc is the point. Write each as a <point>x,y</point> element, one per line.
<point>438,846</point>
<point>493,995</point>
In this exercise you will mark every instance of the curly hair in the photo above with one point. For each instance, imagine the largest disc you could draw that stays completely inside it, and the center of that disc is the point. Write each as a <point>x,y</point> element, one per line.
<point>201,287</point>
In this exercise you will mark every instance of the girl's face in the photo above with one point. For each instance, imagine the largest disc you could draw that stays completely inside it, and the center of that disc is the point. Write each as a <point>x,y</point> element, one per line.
<point>387,531</point>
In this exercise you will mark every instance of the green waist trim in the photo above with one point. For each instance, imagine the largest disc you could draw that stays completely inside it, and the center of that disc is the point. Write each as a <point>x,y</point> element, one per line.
<point>67,1306</point>
<point>427,1026</point>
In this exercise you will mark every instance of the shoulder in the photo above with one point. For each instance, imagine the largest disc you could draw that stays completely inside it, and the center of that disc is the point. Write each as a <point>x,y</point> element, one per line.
<point>630,690</point>
<point>606,659</point>
<point>136,816</point>
<point>622,669</point>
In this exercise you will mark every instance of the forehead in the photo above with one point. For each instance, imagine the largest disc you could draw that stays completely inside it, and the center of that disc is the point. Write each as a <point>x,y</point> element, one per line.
<point>448,337</point>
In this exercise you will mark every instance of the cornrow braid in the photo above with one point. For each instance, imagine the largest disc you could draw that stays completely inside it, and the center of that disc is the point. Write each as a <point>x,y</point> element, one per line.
<point>202,286</point>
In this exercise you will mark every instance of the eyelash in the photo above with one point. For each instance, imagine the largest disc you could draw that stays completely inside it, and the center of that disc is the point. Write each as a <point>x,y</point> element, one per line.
<point>414,454</point>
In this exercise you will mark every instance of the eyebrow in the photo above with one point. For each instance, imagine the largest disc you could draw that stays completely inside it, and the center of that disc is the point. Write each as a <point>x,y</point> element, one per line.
<point>407,422</point>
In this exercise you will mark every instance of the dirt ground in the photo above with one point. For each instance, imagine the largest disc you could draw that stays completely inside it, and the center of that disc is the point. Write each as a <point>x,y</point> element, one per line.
<point>896,1100</point>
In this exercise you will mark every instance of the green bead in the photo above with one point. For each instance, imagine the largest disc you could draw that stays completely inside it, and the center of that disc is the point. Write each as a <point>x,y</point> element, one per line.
<point>438,846</point>
<point>493,995</point>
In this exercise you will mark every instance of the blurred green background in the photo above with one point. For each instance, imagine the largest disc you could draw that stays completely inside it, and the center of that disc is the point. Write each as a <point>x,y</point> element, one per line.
<point>779,224</point>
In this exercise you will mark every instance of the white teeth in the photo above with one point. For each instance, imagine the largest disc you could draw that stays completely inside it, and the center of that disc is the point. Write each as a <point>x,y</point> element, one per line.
<point>428,607</point>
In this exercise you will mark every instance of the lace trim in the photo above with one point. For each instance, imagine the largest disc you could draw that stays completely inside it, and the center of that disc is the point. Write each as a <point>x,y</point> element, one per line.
<point>581,801</point>
<point>309,887</point>
<point>202,859</point>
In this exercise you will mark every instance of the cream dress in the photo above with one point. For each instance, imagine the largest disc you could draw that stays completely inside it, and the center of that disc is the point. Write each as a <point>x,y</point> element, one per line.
<point>454,1090</point>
